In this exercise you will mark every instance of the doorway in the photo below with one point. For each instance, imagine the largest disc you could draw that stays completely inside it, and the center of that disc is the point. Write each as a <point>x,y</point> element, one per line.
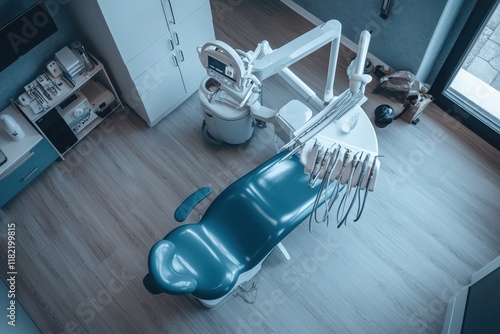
<point>468,85</point>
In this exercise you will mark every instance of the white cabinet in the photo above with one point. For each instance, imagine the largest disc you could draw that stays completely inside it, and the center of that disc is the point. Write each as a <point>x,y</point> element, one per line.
<point>194,31</point>
<point>176,11</point>
<point>149,48</point>
<point>135,25</point>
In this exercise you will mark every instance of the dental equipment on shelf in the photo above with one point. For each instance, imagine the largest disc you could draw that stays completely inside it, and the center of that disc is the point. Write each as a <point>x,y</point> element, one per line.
<point>338,146</point>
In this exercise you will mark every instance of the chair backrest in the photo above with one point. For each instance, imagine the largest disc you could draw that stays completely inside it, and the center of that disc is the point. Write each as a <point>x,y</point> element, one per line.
<point>252,215</point>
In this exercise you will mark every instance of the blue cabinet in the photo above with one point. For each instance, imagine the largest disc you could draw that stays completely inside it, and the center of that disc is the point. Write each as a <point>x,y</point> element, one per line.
<point>28,168</point>
<point>26,158</point>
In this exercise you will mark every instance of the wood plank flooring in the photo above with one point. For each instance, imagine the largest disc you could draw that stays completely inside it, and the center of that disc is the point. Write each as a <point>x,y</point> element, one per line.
<point>85,226</point>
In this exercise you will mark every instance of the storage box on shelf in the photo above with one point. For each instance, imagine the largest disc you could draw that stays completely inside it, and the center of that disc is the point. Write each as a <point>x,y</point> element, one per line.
<point>63,120</point>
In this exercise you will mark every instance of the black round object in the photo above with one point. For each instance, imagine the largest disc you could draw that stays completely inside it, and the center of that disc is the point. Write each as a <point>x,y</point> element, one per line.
<point>384,114</point>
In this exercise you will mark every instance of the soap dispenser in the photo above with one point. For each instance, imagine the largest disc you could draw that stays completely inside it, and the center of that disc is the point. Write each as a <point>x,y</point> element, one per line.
<point>12,127</point>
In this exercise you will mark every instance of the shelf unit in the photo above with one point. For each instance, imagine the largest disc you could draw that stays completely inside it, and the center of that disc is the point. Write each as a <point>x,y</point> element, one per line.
<point>67,89</point>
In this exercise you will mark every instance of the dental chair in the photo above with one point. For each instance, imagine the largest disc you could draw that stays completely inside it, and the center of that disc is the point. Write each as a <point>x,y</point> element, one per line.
<point>210,259</point>
<point>338,146</point>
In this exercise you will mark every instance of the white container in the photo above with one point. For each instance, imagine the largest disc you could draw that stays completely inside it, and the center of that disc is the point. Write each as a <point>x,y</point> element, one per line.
<point>12,127</point>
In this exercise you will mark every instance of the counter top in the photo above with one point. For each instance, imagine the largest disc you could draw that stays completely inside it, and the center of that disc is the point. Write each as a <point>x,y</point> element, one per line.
<point>17,151</point>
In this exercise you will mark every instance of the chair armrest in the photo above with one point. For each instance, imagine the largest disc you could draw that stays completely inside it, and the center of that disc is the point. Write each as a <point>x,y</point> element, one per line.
<point>163,273</point>
<point>189,203</point>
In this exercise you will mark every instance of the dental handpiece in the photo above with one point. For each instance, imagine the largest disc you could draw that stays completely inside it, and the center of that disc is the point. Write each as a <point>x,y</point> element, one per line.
<point>355,162</point>
<point>331,158</point>
<point>370,177</point>
<point>321,164</point>
<point>357,193</point>
<point>332,197</point>
<point>292,152</point>
<point>316,152</point>
<point>350,104</point>
<point>335,191</point>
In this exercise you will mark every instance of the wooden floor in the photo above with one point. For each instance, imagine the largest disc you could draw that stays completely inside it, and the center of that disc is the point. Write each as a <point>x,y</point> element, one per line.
<point>85,226</point>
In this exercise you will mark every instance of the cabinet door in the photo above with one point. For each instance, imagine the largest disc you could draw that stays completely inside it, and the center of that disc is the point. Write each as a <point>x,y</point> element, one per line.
<point>151,56</point>
<point>195,24</point>
<point>40,157</point>
<point>135,25</point>
<point>191,67</point>
<point>156,73</point>
<point>194,31</point>
<point>177,10</point>
<point>163,95</point>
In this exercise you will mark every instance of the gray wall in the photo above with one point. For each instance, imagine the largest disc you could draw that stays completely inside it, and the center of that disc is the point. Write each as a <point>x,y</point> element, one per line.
<point>29,66</point>
<point>400,41</point>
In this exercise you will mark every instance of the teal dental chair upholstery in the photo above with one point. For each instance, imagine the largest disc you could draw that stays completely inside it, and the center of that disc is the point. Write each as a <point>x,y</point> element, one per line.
<point>237,232</point>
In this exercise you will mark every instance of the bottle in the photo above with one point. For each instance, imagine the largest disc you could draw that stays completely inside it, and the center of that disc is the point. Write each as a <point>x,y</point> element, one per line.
<point>12,127</point>
<point>89,65</point>
<point>81,53</point>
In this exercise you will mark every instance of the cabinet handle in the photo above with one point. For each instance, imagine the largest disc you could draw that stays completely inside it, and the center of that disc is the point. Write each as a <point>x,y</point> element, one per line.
<point>176,63</point>
<point>18,165</point>
<point>176,38</point>
<point>181,55</point>
<point>30,174</point>
<point>171,44</point>
<point>171,11</point>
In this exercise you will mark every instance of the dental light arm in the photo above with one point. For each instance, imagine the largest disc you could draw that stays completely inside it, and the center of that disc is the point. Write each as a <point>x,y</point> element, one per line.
<point>281,58</point>
<point>242,72</point>
<point>357,78</point>
<point>343,104</point>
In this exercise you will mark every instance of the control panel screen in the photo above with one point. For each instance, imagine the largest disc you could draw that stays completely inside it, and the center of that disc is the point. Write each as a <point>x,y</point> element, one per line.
<point>221,68</point>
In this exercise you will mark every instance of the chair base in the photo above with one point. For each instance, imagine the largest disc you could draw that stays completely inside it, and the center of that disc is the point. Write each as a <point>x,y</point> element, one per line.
<point>244,277</point>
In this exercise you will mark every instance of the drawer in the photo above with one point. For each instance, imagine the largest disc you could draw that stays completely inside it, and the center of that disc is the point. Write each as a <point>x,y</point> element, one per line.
<point>156,73</point>
<point>150,56</point>
<point>135,25</point>
<point>162,96</point>
<point>179,10</point>
<point>189,45</point>
<point>187,49</point>
<point>40,157</point>
<point>194,25</point>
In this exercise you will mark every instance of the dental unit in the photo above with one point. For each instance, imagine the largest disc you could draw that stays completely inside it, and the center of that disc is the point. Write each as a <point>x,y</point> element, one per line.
<point>326,152</point>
